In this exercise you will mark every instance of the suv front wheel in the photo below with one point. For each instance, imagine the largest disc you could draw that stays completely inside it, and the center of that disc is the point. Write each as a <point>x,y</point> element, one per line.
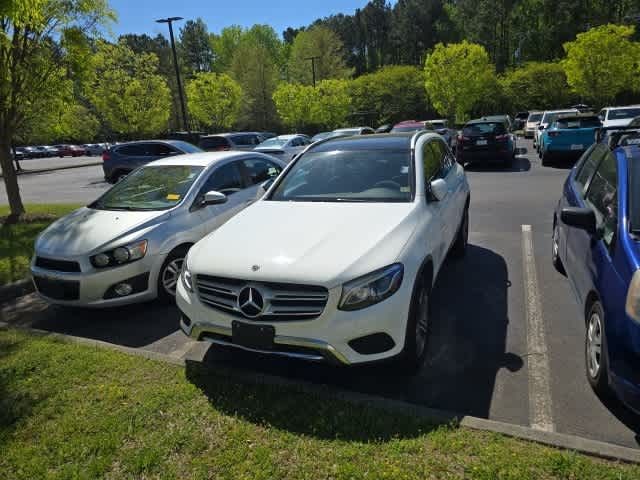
<point>418,328</point>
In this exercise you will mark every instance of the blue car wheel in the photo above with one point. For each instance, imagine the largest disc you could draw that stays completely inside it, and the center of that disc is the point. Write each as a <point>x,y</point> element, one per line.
<point>596,350</point>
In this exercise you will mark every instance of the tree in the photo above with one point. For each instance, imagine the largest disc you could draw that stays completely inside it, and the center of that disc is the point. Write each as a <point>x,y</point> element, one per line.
<point>293,102</point>
<point>195,49</point>
<point>127,91</point>
<point>536,85</point>
<point>456,78</point>
<point>224,47</point>
<point>390,95</point>
<point>318,42</point>
<point>40,42</point>
<point>214,99</point>
<point>601,63</point>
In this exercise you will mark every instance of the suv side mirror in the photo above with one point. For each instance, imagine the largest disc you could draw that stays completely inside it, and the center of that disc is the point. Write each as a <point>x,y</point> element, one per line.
<point>213,198</point>
<point>439,189</point>
<point>582,218</point>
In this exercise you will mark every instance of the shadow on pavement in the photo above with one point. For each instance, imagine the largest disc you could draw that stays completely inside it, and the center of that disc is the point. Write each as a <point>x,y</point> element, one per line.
<point>519,164</point>
<point>466,349</point>
<point>623,414</point>
<point>130,326</point>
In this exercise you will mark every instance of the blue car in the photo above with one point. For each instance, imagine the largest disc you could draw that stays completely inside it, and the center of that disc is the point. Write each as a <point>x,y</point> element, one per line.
<point>568,136</point>
<point>596,242</point>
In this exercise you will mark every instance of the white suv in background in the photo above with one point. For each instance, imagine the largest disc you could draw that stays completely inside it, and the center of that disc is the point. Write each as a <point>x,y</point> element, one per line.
<point>337,261</point>
<point>618,116</point>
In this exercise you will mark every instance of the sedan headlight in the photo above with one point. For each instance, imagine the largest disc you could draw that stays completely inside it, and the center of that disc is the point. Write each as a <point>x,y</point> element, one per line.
<point>633,298</point>
<point>120,255</point>
<point>186,276</point>
<point>371,288</point>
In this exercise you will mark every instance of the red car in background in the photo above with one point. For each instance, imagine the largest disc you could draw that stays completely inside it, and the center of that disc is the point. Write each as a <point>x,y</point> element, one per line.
<point>70,151</point>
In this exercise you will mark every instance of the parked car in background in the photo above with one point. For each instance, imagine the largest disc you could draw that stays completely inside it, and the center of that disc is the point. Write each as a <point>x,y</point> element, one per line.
<point>43,151</point>
<point>441,126</point>
<point>384,128</point>
<point>32,152</point>
<point>486,141</point>
<point>582,108</point>
<point>506,119</point>
<point>351,238</point>
<point>118,161</point>
<point>266,136</point>
<point>128,246</point>
<point>568,137</point>
<point>322,136</point>
<point>92,149</point>
<point>532,124</point>
<point>520,120</point>
<point>284,147</point>
<point>18,153</point>
<point>230,141</point>
<point>618,116</point>
<point>408,126</point>
<point>548,117</point>
<point>596,242</point>
<point>355,131</point>
<point>70,150</point>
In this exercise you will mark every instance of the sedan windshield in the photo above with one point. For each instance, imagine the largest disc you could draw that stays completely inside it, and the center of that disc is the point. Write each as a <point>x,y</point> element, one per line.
<point>348,176</point>
<point>274,142</point>
<point>623,113</point>
<point>150,188</point>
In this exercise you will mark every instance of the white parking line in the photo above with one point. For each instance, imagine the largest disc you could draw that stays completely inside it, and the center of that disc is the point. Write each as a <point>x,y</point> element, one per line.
<point>540,406</point>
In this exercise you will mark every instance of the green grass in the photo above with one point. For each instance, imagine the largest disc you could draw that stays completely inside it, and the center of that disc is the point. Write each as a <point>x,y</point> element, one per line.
<point>16,240</point>
<point>70,411</point>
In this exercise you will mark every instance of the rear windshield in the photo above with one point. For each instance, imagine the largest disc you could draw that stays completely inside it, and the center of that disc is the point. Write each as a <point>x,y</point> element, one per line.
<point>569,123</point>
<point>274,142</point>
<point>411,128</point>
<point>476,129</point>
<point>623,113</point>
<point>551,117</point>
<point>534,117</point>
<point>213,143</point>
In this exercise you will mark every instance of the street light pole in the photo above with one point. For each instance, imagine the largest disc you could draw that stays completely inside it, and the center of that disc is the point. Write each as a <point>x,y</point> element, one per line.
<point>313,68</point>
<point>170,20</point>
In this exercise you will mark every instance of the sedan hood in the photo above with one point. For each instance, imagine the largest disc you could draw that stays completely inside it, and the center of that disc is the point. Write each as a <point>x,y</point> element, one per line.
<point>306,242</point>
<point>86,230</point>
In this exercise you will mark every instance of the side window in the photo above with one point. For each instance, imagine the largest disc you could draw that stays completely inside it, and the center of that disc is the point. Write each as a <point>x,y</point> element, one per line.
<point>259,170</point>
<point>603,197</point>
<point>136,150</point>
<point>589,165</point>
<point>225,179</point>
<point>160,150</point>
<point>430,162</point>
<point>297,142</point>
<point>443,157</point>
<point>214,143</point>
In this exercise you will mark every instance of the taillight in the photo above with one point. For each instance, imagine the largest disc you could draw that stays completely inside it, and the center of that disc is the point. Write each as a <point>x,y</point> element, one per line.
<point>554,134</point>
<point>460,138</point>
<point>105,156</point>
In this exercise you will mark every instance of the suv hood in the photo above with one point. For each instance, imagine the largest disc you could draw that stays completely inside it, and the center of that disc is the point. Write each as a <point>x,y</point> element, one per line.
<point>86,230</point>
<point>623,122</point>
<point>305,242</point>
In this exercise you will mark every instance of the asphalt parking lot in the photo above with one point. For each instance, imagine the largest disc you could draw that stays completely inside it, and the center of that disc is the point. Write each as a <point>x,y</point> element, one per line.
<point>508,336</point>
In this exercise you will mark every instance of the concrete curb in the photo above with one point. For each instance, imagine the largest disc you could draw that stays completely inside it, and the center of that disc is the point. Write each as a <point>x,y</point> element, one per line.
<point>15,290</point>
<point>586,446</point>
<point>46,170</point>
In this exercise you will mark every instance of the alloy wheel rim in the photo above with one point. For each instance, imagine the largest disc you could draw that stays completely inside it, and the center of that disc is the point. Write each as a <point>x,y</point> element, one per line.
<point>555,242</point>
<point>171,274</point>
<point>594,344</point>
<point>422,324</point>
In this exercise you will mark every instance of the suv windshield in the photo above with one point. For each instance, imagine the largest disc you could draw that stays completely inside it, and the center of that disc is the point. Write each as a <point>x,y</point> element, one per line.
<point>348,176</point>
<point>623,113</point>
<point>534,117</point>
<point>150,188</point>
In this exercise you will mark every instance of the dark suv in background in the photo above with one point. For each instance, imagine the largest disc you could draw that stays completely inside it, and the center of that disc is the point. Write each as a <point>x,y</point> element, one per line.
<point>487,140</point>
<point>230,141</point>
<point>121,159</point>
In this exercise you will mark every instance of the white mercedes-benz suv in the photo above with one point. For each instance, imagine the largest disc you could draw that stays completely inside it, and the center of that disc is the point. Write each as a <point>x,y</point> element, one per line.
<point>337,260</point>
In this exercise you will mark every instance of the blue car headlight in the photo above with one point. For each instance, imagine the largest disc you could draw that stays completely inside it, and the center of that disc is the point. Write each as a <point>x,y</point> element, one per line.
<point>632,306</point>
<point>371,288</point>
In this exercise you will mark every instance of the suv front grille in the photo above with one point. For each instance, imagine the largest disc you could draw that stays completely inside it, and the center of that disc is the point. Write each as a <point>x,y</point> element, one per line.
<point>57,265</point>
<point>281,301</point>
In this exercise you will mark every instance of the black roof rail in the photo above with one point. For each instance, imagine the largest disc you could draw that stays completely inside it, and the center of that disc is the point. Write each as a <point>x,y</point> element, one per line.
<point>618,134</point>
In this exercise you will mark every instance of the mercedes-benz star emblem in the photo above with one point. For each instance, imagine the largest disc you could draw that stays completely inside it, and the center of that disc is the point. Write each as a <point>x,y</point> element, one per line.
<point>250,302</point>
<point>255,268</point>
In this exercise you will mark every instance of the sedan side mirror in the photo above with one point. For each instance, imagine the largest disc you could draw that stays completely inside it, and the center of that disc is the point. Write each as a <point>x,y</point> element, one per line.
<point>582,218</point>
<point>439,189</point>
<point>213,198</point>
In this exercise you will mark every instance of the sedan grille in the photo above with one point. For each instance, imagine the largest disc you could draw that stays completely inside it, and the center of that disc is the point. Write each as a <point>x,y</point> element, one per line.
<point>57,265</point>
<point>278,301</point>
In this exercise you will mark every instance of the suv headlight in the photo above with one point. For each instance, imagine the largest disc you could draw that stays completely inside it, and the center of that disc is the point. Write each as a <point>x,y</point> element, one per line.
<point>186,276</point>
<point>120,255</point>
<point>633,298</point>
<point>371,288</point>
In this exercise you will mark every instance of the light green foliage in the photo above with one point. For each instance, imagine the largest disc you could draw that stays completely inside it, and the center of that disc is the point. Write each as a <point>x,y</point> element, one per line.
<point>195,48</point>
<point>300,106</point>
<point>128,93</point>
<point>321,42</point>
<point>224,47</point>
<point>457,76</point>
<point>536,85</point>
<point>601,63</point>
<point>214,99</point>
<point>392,94</point>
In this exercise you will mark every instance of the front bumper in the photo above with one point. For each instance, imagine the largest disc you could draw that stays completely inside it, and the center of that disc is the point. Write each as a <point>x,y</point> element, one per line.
<point>89,287</point>
<point>323,339</point>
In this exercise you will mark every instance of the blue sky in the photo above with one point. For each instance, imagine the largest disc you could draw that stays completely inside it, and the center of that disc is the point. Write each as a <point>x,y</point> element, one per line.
<point>137,16</point>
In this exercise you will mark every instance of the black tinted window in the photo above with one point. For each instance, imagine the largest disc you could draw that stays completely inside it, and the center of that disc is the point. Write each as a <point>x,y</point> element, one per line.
<point>603,196</point>
<point>137,150</point>
<point>245,140</point>
<point>225,179</point>
<point>160,150</point>
<point>476,129</point>
<point>568,123</point>
<point>260,170</point>
<point>214,143</point>
<point>589,164</point>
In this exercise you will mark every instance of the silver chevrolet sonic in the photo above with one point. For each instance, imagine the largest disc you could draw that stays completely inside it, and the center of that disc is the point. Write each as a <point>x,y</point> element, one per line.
<point>128,246</point>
